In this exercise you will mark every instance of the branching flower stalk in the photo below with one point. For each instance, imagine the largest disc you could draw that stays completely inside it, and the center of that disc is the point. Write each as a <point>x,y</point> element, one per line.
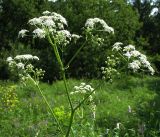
<point>52,27</point>
<point>27,72</point>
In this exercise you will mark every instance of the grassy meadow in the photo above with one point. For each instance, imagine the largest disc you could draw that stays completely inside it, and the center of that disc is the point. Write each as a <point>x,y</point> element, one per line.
<point>131,102</point>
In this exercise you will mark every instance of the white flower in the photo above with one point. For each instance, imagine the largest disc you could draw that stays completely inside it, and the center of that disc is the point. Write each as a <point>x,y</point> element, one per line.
<point>135,65</point>
<point>83,89</point>
<point>109,29</point>
<point>83,84</point>
<point>35,57</point>
<point>35,21</point>
<point>49,23</point>
<point>127,54</point>
<point>44,18</point>
<point>20,65</point>
<point>151,70</point>
<point>135,53</point>
<point>40,33</point>
<point>23,57</point>
<point>117,46</point>
<point>65,33</point>
<point>9,59</point>
<point>46,12</point>
<point>22,33</point>
<point>102,68</point>
<point>75,36</point>
<point>58,17</point>
<point>143,58</point>
<point>129,48</point>
<point>26,57</point>
<point>154,12</point>
<point>90,23</point>
<point>52,0</point>
<point>60,25</point>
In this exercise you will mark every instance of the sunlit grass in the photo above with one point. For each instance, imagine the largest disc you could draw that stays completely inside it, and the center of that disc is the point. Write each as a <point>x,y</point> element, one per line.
<point>112,100</point>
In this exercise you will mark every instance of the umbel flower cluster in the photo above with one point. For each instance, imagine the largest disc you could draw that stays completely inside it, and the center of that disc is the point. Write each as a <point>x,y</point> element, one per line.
<point>92,23</point>
<point>50,24</point>
<point>86,89</point>
<point>82,89</point>
<point>135,59</point>
<point>53,24</point>
<point>26,70</point>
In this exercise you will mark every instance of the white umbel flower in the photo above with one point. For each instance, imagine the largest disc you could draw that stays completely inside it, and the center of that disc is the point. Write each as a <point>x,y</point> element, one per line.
<point>129,48</point>
<point>135,53</point>
<point>152,71</point>
<point>49,23</point>
<point>9,59</point>
<point>58,17</point>
<point>20,65</point>
<point>83,88</point>
<point>127,54</point>
<point>26,57</point>
<point>46,12</point>
<point>117,46</point>
<point>65,33</point>
<point>39,33</point>
<point>35,21</point>
<point>90,23</point>
<point>22,33</point>
<point>75,36</point>
<point>52,0</point>
<point>135,65</point>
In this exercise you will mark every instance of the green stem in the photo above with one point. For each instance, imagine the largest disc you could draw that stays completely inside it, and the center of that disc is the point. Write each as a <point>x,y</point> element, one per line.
<point>122,56</point>
<point>56,52</point>
<point>48,105</point>
<point>62,69</point>
<point>74,56</point>
<point>66,88</point>
<point>65,82</point>
<point>70,123</point>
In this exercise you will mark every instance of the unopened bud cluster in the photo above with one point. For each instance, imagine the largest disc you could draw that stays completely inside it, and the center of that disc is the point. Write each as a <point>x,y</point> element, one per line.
<point>109,70</point>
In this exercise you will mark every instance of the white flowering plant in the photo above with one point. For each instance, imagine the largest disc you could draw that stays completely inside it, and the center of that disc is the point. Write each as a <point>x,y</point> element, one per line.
<point>125,58</point>
<point>52,27</point>
<point>26,71</point>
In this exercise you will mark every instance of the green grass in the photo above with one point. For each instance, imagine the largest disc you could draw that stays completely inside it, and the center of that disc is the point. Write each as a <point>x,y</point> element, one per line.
<point>31,116</point>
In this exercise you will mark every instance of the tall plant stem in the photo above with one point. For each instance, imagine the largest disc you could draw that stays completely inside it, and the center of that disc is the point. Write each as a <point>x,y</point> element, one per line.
<point>48,105</point>
<point>66,88</point>
<point>70,123</point>
<point>54,46</point>
<point>74,56</point>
